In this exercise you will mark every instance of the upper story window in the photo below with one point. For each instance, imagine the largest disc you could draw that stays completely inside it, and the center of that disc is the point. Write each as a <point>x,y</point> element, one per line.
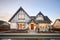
<point>21,15</point>
<point>39,17</point>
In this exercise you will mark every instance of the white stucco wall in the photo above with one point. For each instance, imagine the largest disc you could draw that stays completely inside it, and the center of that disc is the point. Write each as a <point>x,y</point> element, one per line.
<point>13,26</point>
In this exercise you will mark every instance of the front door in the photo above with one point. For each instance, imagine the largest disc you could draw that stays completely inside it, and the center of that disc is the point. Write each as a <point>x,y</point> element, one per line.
<point>32,26</point>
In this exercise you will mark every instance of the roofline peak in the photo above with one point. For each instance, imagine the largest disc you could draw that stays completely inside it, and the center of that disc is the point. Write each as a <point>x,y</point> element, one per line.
<point>21,7</point>
<point>40,13</point>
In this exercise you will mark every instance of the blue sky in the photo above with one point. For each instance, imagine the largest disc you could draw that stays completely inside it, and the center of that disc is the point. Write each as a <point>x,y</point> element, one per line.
<point>50,8</point>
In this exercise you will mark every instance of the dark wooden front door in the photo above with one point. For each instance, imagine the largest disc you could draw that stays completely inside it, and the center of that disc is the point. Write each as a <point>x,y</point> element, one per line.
<point>32,26</point>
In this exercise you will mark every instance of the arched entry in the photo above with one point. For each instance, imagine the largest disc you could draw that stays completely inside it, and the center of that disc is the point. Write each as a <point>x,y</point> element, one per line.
<point>32,25</point>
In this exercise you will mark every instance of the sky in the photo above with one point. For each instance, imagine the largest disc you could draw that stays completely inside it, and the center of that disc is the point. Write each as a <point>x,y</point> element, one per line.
<point>50,8</point>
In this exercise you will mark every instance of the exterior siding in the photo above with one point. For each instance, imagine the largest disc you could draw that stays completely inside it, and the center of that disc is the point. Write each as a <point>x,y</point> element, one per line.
<point>27,19</point>
<point>15,19</point>
<point>13,26</point>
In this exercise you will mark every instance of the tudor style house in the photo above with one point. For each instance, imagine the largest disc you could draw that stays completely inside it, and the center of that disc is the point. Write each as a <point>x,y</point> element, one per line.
<point>21,21</point>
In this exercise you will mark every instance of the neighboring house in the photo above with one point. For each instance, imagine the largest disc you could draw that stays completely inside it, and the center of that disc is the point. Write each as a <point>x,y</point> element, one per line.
<point>21,20</point>
<point>56,25</point>
<point>4,26</point>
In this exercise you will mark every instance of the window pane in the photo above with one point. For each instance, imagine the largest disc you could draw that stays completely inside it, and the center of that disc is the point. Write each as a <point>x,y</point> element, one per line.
<point>21,25</point>
<point>21,16</point>
<point>40,17</point>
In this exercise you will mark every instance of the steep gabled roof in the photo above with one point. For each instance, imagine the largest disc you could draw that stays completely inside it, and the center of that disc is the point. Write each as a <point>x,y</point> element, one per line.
<point>47,19</point>
<point>33,17</point>
<point>40,13</point>
<point>32,20</point>
<point>17,13</point>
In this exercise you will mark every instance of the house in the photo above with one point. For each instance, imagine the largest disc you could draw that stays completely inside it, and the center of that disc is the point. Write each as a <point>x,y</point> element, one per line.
<point>22,21</point>
<point>56,25</point>
<point>4,26</point>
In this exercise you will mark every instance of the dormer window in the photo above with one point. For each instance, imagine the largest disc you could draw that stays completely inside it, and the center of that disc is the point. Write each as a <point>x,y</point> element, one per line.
<point>39,17</point>
<point>21,16</point>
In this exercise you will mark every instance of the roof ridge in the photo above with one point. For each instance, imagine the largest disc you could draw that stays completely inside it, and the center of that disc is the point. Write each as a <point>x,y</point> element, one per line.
<point>40,13</point>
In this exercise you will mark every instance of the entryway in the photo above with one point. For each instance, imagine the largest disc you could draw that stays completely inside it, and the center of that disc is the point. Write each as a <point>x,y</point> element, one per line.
<point>32,26</point>
<point>32,29</point>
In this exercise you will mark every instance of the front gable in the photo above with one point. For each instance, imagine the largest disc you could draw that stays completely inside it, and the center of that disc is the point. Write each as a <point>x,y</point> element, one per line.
<point>42,18</point>
<point>39,16</point>
<point>20,16</point>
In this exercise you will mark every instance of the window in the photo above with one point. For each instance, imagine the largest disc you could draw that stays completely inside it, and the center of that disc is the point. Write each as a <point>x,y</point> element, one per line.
<point>42,26</point>
<point>40,17</point>
<point>21,25</point>
<point>46,26</point>
<point>21,16</point>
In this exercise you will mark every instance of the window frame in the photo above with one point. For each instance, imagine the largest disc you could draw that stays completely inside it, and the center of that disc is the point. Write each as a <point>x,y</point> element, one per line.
<point>18,25</point>
<point>39,17</point>
<point>21,16</point>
